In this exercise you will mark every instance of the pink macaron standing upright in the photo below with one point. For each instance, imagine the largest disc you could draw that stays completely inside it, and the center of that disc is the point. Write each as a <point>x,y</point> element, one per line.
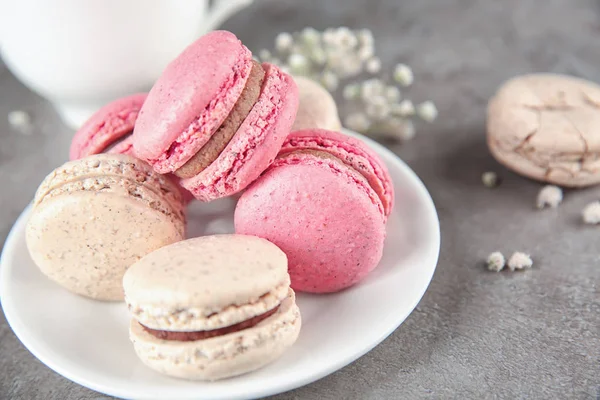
<point>215,117</point>
<point>324,201</point>
<point>109,129</point>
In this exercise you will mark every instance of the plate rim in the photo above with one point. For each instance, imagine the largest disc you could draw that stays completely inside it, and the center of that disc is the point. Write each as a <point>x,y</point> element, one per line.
<point>22,334</point>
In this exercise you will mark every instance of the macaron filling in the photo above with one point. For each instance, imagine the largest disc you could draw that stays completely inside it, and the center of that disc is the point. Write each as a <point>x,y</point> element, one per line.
<point>221,138</point>
<point>207,334</point>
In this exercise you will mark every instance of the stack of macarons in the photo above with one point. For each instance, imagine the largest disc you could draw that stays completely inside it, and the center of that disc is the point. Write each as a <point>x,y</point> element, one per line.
<point>110,224</point>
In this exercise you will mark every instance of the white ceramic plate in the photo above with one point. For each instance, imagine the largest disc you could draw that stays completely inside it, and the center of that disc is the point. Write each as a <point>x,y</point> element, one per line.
<point>87,341</point>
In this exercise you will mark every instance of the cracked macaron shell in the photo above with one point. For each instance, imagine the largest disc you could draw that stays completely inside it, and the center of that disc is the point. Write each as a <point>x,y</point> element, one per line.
<point>191,99</point>
<point>92,218</point>
<point>256,143</point>
<point>222,356</point>
<point>547,127</point>
<point>206,283</point>
<point>111,123</point>
<point>322,213</point>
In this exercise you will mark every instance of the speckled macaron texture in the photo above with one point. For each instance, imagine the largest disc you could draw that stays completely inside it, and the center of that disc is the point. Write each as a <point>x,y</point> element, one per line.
<point>324,202</point>
<point>197,94</point>
<point>109,129</point>
<point>547,127</point>
<point>92,218</point>
<point>205,284</point>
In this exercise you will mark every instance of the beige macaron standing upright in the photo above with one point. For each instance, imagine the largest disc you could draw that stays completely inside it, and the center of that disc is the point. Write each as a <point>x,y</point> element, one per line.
<point>211,307</point>
<point>547,127</point>
<point>94,217</point>
<point>316,108</point>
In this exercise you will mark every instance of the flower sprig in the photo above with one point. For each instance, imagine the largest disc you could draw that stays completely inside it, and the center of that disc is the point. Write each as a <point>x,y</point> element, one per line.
<point>340,58</point>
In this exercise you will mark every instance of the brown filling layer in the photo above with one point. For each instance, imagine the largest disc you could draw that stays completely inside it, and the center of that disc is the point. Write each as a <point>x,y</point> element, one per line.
<point>324,155</point>
<point>199,335</point>
<point>220,139</point>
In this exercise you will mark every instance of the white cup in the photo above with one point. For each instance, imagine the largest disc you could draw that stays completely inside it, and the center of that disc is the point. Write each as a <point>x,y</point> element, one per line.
<point>81,54</point>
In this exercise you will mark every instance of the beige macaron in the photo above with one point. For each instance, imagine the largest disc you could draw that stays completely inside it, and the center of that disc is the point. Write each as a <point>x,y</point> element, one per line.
<point>547,127</point>
<point>211,307</point>
<point>316,108</point>
<point>94,217</point>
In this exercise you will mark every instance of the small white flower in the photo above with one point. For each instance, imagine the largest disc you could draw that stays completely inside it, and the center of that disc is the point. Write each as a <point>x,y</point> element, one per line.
<point>373,65</point>
<point>329,36</point>
<point>489,179</point>
<point>351,91</point>
<point>406,130</point>
<point>264,55</point>
<point>496,262</point>
<point>371,88</point>
<point>392,94</point>
<point>591,213</point>
<point>284,42</point>
<point>298,64</point>
<point>519,261</point>
<point>427,111</point>
<point>346,38</point>
<point>310,36</point>
<point>20,120</point>
<point>403,75</point>
<point>366,52</point>
<point>406,108</point>
<point>365,37</point>
<point>329,80</point>
<point>377,108</point>
<point>357,122</point>
<point>549,196</point>
<point>318,56</point>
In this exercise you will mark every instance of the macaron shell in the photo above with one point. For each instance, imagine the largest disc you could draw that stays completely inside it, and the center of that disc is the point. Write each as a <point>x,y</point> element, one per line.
<point>207,282</point>
<point>222,356</point>
<point>316,108</point>
<point>329,225</point>
<point>256,144</point>
<point>190,100</point>
<point>352,152</point>
<point>109,124</point>
<point>86,241</point>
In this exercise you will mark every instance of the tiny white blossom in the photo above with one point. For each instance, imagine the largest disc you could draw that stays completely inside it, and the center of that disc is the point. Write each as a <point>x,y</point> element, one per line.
<point>496,262</point>
<point>489,179</point>
<point>427,111</point>
<point>392,94</point>
<point>357,122</point>
<point>298,64</point>
<point>346,38</point>
<point>519,260</point>
<point>373,65</point>
<point>351,91</point>
<point>549,196</point>
<point>366,52</point>
<point>20,120</point>
<point>403,75</point>
<point>264,55</point>
<point>329,36</point>
<point>378,108</point>
<point>371,88</point>
<point>406,108</point>
<point>310,36</point>
<point>365,37</point>
<point>406,130</point>
<point>284,42</point>
<point>591,213</point>
<point>318,56</point>
<point>329,80</point>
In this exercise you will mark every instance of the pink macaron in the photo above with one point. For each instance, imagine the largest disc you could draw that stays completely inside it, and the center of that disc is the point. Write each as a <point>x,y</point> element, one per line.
<point>324,202</point>
<point>109,129</point>
<point>216,118</point>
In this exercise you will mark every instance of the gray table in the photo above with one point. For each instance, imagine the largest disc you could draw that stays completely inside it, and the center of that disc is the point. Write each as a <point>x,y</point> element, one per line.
<point>475,334</point>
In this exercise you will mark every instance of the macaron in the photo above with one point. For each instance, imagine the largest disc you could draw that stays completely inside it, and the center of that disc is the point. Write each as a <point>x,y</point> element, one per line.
<point>547,127</point>
<point>215,117</point>
<point>324,202</point>
<point>109,129</point>
<point>92,218</point>
<point>211,307</point>
<point>316,107</point>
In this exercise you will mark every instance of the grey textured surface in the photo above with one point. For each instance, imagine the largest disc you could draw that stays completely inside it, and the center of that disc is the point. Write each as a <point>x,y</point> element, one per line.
<point>475,334</point>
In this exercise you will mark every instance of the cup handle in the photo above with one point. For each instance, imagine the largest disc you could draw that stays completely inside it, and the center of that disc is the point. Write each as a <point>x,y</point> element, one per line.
<point>221,10</point>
